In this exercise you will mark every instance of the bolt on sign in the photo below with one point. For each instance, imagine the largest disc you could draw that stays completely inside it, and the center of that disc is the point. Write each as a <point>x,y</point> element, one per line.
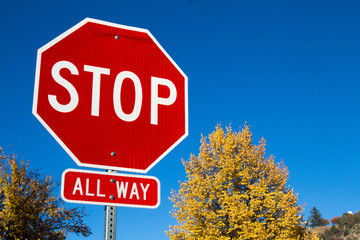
<point>111,96</point>
<point>101,188</point>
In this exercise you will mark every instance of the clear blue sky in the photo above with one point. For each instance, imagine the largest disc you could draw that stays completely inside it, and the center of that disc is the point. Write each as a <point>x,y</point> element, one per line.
<point>290,69</point>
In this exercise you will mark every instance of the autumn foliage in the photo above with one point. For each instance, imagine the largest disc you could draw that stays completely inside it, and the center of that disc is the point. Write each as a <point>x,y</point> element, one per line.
<point>345,227</point>
<point>28,207</point>
<point>233,191</point>
<point>334,220</point>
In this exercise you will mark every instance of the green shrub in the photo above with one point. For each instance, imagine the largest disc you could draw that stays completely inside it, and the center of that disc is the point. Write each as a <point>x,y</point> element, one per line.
<point>333,230</point>
<point>347,220</point>
<point>357,217</point>
<point>324,222</point>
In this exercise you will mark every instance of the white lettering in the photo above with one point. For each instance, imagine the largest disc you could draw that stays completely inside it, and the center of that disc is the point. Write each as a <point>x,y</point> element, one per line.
<point>144,189</point>
<point>87,189</point>
<point>98,189</point>
<point>134,191</point>
<point>156,100</point>
<point>74,98</point>
<point>122,190</point>
<point>78,187</point>
<point>117,96</point>
<point>97,71</point>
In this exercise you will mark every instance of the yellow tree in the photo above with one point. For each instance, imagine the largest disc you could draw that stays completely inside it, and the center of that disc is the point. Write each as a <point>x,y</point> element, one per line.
<point>28,208</point>
<point>233,191</point>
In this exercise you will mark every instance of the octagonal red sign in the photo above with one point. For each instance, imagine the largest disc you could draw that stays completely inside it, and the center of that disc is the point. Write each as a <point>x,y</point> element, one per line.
<point>111,96</point>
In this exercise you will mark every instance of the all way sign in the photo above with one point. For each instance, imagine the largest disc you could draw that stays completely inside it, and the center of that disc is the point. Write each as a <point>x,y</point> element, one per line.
<point>103,188</point>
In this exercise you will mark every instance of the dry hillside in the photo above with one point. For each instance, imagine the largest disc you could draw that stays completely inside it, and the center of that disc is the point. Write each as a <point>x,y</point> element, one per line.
<point>346,227</point>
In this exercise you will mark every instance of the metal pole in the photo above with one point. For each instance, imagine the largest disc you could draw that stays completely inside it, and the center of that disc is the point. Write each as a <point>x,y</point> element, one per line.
<point>110,220</point>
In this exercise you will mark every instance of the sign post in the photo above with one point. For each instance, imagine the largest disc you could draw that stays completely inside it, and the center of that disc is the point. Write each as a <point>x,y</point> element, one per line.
<point>110,222</point>
<point>114,99</point>
<point>110,219</point>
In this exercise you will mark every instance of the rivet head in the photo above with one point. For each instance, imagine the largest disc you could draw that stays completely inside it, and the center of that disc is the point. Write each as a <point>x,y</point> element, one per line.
<point>112,180</point>
<point>113,154</point>
<point>117,36</point>
<point>112,197</point>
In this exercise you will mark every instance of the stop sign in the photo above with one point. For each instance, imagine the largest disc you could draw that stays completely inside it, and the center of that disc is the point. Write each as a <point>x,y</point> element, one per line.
<point>111,96</point>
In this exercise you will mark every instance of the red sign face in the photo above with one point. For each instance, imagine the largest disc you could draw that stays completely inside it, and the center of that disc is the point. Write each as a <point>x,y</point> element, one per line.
<point>111,96</point>
<point>88,187</point>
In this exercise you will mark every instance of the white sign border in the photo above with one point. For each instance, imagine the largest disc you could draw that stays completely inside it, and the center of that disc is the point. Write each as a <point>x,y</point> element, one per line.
<point>109,203</point>
<point>62,144</point>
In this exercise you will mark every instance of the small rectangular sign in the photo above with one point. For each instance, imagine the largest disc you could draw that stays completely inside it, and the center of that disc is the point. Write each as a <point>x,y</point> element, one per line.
<point>103,188</point>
